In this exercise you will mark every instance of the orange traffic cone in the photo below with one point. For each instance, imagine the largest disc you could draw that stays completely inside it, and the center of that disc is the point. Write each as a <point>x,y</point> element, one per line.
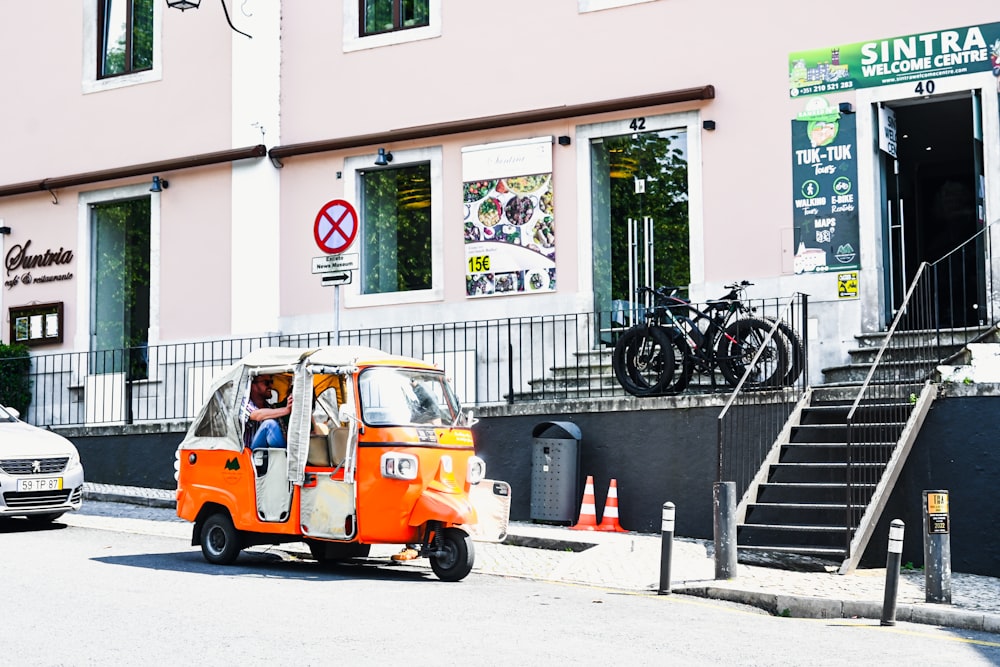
<point>588,512</point>
<point>609,522</point>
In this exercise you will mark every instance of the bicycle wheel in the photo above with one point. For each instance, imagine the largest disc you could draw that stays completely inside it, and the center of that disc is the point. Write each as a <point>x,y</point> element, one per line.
<point>683,364</point>
<point>793,344</point>
<point>737,347</point>
<point>643,360</point>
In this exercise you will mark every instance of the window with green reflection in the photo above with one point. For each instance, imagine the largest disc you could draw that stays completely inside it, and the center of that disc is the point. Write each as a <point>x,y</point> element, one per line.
<point>396,229</point>
<point>125,37</point>
<point>378,16</point>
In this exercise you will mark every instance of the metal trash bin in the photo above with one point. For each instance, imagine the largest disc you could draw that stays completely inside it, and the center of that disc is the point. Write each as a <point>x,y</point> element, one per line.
<point>555,462</point>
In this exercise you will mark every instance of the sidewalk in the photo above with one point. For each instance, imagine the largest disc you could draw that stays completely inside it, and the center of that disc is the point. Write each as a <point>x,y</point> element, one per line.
<point>632,561</point>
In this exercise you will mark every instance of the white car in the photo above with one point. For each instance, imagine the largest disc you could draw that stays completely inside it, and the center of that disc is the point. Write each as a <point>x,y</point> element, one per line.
<point>41,476</point>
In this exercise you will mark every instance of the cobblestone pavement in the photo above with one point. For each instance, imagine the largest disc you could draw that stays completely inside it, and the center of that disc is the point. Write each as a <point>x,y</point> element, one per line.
<point>633,561</point>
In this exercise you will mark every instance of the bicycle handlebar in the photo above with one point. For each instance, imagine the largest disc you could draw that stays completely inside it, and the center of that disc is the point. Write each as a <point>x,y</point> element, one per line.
<point>670,291</point>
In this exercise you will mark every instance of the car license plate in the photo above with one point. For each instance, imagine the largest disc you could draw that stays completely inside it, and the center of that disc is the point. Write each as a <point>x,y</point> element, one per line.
<point>43,484</point>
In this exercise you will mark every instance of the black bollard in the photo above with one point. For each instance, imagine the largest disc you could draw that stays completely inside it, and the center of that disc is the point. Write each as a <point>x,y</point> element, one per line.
<point>893,557</point>
<point>725,530</point>
<point>667,546</point>
<point>937,547</point>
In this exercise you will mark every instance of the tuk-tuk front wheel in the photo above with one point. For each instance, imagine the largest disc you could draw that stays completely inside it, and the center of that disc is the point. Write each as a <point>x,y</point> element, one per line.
<point>453,554</point>
<point>220,542</point>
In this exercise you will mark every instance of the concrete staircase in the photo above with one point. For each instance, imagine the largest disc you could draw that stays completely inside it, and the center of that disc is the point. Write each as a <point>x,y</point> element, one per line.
<point>591,376</point>
<point>817,496</point>
<point>908,345</point>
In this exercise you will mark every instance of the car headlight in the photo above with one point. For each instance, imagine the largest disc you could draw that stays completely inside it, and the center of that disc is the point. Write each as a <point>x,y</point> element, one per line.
<point>476,471</point>
<point>74,460</point>
<point>399,466</point>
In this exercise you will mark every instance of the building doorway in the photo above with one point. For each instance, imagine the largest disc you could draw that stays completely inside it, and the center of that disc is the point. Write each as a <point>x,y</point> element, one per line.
<point>934,204</point>
<point>641,231</point>
<point>120,279</point>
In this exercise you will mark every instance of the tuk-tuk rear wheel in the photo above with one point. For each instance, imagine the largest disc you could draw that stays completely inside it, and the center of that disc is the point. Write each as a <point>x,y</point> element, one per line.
<point>220,541</point>
<point>454,555</point>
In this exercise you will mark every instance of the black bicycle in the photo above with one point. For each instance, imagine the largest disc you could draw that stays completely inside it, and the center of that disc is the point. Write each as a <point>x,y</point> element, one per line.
<point>660,355</point>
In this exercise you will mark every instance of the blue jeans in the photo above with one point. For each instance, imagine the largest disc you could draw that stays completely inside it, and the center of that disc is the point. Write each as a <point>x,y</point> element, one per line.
<point>268,435</point>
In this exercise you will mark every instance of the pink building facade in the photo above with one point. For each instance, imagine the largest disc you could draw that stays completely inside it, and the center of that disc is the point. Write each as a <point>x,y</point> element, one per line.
<point>545,158</point>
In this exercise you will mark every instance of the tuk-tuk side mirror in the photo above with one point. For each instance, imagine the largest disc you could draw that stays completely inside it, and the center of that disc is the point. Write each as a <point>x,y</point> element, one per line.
<point>470,419</point>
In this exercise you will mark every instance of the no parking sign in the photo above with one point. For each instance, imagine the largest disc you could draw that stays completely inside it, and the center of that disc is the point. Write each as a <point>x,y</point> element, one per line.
<point>336,226</point>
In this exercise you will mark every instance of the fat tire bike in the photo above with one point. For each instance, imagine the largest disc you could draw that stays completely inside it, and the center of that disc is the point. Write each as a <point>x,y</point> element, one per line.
<point>660,355</point>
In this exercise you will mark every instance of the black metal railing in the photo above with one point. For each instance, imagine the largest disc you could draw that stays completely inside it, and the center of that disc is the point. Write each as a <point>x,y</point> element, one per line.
<point>948,305</point>
<point>491,362</point>
<point>753,417</point>
<point>887,397</point>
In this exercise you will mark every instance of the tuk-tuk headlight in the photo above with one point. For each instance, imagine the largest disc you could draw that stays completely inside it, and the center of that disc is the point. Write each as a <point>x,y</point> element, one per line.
<point>399,466</point>
<point>477,470</point>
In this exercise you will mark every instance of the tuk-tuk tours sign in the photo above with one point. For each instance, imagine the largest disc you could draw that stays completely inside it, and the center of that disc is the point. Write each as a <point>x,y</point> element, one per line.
<point>824,175</point>
<point>883,62</point>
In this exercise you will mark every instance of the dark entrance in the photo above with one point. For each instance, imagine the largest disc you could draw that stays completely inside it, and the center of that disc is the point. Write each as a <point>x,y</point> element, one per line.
<point>933,196</point>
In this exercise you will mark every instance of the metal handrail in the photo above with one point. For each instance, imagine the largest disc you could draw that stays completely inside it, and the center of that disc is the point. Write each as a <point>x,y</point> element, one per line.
<point>754,459</point>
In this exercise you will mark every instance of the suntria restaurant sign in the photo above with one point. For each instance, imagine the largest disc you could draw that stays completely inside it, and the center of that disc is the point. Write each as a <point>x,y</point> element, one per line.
<point>22,265</point>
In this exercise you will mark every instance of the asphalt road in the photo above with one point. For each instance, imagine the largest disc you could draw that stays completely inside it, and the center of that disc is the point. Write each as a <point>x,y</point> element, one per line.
<point>102,588</point>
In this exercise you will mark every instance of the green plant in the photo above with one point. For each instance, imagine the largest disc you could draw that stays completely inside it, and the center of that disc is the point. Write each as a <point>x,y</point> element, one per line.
<point>967,381</point>
<point>15,381</point>
<point>913,399</point>
<point>786,613</point>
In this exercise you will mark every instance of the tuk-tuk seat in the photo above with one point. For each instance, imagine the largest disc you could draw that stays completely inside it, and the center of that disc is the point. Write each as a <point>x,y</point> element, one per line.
<point>330,450</point>
<point>338,444</point>
<point>319,452</point>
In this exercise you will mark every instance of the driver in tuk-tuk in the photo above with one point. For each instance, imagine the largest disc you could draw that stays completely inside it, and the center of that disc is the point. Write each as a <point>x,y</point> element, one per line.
<point>426,409</point>
<point>263,427</point>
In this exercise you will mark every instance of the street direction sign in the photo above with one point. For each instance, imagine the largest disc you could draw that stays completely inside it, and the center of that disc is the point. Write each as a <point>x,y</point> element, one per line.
<point>336,226</point>
<point>336,263</point>
<point>337,278</point>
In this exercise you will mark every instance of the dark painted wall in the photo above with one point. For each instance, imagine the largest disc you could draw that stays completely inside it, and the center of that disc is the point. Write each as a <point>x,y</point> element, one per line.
<point>669,455</point>
<point>656,456</point>
<point>957,450</point>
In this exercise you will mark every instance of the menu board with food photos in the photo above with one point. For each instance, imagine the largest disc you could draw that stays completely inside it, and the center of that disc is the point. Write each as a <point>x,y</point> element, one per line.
<point>509,219</point>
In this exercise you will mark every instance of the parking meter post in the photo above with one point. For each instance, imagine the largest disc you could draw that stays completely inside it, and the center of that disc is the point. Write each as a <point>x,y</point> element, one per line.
<point>724,497</point>
<point>666,546</point>
<point>893,558</point>
<point>937,547</point>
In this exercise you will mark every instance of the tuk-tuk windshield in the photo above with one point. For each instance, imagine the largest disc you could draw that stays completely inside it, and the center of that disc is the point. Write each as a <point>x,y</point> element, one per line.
<point>402,396</point>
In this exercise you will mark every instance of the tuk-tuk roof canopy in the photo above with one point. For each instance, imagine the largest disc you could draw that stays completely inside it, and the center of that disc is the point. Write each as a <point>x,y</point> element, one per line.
<point>331,355</point>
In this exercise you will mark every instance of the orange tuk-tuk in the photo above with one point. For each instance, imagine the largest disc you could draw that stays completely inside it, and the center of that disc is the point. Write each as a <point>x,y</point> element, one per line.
<point>376,450</point>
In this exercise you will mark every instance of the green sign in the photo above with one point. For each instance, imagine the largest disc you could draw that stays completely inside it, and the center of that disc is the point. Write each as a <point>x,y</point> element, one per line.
<point>917,57</point>
<point>824,194</point>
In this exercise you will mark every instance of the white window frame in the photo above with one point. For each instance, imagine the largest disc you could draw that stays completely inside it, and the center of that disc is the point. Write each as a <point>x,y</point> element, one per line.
<point>354,41</point>
<point>584,6</point>
<point>92,84</point>
<point>352,189</point>
<point>84,285</point>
